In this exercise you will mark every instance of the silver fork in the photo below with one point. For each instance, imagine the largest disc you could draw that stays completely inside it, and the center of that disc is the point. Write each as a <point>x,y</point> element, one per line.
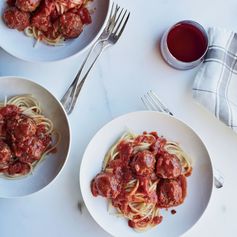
<point>152,102</point>
<point>116,24</point>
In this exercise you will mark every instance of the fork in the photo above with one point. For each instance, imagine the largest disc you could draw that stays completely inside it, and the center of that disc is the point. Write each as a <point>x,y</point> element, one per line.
<point>152,102</point>
<point>116,24</point>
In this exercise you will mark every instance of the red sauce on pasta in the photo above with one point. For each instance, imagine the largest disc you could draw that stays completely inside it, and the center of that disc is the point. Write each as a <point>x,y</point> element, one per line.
<point>48,20</point>
<point>22,141</point>
<point>141,171</point>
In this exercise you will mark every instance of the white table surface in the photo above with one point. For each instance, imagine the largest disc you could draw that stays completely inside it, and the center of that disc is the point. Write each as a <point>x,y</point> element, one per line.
<point>124,73</point>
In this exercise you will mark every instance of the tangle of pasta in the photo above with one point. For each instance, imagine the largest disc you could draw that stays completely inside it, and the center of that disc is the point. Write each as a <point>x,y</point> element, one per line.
<point>26,136</point>
<point>38,35</point>
<point>49,21</point>
<point>142,174</point>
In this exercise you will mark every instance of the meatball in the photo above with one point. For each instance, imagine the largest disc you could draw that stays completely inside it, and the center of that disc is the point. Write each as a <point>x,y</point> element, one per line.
<point>5,153</point>
<point>143,163</point>
<point>16,19</point>
<point>47,7</point>
<point>158,146</point>
<point>20,128</point>
<point>69,25</point>
<point>41,21</point>
<point>9,110</point>
<point>168,166</point>
<point>27,5</point>
<point>106,185</point>
<point>170,193</point>
<point>84,14</point>
<point>29,150</point>
<point>42,18</point>
<point>18,168</point>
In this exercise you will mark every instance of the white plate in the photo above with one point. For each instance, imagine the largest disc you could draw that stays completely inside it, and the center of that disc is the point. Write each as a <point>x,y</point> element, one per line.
<point>20,46</point>
<point>46,172</point>
<point>200,183</point>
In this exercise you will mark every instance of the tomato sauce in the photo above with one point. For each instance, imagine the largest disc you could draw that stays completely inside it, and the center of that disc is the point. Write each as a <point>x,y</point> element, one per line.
<point>22,141</point>
<point>151,166</point>
<point>51,19</point>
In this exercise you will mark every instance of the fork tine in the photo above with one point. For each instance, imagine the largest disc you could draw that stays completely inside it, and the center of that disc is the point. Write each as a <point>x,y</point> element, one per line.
<point>123,26</point>
<point>116,18</point>
<point>112,9</point>
<point>152,103</point>
<point>120,22</point>
<point>154,97</point>
<point>146,104</point>
<point>112,18</point>
<point>119,16</point>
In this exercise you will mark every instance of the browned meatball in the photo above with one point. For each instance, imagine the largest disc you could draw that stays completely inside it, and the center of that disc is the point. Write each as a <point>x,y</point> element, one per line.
<point>70,25</point>
<point>106,185</point>
<point>9,111</point>
<point>143,163</point>
<point>18,168</point>
<point>21,128</point>
<point>16,19</point>
<point>42,18</point>
<point>27,5</point>
<point>168,166</point>
<point>41,21</point>
<point>125,150</point>
<point>5,153</point>
<point>29,150</point>
<point>170,193</point>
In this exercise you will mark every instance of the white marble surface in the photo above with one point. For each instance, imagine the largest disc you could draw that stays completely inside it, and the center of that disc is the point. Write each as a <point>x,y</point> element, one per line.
<point>123,74</point>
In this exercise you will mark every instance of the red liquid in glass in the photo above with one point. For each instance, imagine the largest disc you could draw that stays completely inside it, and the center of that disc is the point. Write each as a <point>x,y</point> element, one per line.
<point>186,42</point>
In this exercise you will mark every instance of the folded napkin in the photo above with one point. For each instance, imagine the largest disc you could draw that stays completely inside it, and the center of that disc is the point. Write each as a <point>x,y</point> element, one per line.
<point>215,85</point>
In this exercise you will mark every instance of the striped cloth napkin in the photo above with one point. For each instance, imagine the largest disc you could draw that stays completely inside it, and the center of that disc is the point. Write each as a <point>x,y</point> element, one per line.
<point>215,85</point>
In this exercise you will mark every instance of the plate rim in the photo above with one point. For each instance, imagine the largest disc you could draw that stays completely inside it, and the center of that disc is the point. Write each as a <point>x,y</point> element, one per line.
<point>144,112</point>
<point>69,135</point>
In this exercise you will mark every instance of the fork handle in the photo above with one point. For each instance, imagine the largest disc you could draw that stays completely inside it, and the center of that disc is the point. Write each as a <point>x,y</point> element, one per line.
<point>70,97</point>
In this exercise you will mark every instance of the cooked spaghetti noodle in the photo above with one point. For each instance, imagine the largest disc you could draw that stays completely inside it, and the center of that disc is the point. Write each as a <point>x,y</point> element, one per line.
<point>38,35</point>
<point>142,174</point>
<point>51,22</point>
<point>26,136</point>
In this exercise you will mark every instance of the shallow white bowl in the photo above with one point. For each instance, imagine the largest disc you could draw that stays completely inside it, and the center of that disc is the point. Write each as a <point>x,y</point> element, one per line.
<point>200,183</point>
<point>49,169</point>
<point>21,46</point>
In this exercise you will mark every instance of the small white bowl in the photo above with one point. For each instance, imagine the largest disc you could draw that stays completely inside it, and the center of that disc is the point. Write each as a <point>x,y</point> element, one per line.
<point>50,168</point>
<point>19,45</point>
<point>200,183</point>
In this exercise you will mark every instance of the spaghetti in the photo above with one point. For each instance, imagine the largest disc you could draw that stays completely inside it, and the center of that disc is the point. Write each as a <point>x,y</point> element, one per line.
<point>49,21</point>
<point>26,136</point>
<point>142,174</point>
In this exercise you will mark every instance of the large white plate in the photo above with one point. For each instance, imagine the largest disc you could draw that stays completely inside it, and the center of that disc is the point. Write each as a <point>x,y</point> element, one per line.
<point>18,45</point>
<point>46,172</point>
<point>199,184</point>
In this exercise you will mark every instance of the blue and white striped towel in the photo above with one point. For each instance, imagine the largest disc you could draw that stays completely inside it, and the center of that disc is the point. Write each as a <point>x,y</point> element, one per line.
<point>215,85</point>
